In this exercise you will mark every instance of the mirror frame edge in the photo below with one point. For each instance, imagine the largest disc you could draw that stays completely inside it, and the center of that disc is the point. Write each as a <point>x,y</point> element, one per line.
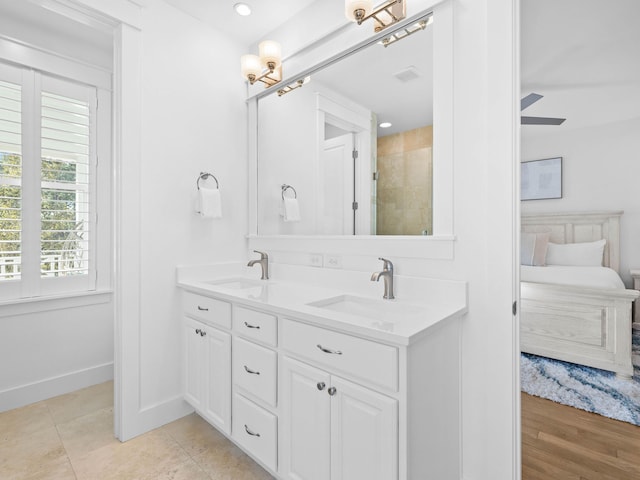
<point>440,245</point>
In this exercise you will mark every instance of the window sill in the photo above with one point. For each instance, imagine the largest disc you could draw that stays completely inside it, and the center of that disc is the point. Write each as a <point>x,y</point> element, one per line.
<point>23,306</point>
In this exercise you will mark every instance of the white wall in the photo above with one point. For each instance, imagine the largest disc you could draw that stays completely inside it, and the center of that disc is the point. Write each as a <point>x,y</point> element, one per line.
<point>193,120</point>
<point>600,170</point>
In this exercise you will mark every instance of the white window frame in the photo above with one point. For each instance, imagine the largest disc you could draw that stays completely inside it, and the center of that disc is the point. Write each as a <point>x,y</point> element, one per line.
<point>55,73</point>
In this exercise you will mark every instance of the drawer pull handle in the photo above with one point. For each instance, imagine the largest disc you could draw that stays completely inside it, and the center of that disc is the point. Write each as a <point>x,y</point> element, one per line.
<point>248,370</point>
<point>254,434</point>
<point>328,350</point>
<point>248,325</point>
<point>203,309</point>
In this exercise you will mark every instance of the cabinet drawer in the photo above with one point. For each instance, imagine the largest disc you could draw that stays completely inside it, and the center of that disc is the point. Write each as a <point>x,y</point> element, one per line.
<point>210,310</point>
<point>370,361</point>
<point>254,369</point>
<point>259,326</point>
<point>255,429</point>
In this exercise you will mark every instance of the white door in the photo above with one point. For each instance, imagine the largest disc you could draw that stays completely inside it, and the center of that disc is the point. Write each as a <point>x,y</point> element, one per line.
<point>336,189</point>
<point>306,422</point>
<point>194,359</point>
<point>217,408</point>
<point>364,433</point>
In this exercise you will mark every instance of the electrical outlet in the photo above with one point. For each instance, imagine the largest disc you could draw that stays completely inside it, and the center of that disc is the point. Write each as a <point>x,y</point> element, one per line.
<point>315,259</point>
<point>333,261</point>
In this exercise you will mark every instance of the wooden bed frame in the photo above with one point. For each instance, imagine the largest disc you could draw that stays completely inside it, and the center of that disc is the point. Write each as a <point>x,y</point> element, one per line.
<point>587,326</point>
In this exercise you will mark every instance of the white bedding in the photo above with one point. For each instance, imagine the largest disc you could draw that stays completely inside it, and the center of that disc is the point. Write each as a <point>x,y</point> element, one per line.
<point>596,277</point>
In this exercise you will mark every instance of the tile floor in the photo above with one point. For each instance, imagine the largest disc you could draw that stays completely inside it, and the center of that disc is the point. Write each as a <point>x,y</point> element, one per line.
<point>70,437</point>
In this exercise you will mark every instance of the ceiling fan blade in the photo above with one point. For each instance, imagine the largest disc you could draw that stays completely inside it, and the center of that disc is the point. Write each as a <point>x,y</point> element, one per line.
<point>541,121</point>
<point>529,100</point>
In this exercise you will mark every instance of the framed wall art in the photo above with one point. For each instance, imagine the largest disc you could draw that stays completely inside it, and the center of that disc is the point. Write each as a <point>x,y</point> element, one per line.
<point>541,179</point>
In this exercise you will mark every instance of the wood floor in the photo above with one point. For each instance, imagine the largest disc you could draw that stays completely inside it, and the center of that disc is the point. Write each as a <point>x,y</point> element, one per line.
<point>564,443</point>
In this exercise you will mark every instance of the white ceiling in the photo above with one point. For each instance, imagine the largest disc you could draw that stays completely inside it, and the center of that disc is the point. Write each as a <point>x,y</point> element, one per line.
<point>266,16</point>
<point>584,57</point>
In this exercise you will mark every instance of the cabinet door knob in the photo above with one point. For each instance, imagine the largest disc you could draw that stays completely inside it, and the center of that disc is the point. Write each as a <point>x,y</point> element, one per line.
<point>203,309</point>
<point>254,434</point>
<point>248,325</point>
<point>253,372</point>
<point>202,333</point>
<point>321,385</point>
<point>332,391</point>
<point>198,331</point>
<point>328,350</point>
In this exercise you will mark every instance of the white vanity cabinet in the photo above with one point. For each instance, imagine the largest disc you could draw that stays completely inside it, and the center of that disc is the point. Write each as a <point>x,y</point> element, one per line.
<point>207,360</point>
<point>334,429</point>
<point>315,399</point>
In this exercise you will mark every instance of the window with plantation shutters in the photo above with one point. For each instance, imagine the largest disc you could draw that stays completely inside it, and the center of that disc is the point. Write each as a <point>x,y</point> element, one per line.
<point>48,171</point>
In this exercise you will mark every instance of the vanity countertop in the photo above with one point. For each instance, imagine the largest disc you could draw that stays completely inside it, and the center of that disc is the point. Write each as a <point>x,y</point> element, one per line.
<point>400,321</point>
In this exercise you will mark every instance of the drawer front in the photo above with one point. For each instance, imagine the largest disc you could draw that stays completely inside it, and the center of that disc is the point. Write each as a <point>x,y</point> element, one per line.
<point>255,429</point>
<point>255,325</point>
<point>370,361</point>
<point>210,310</point>
<point>254,369</point>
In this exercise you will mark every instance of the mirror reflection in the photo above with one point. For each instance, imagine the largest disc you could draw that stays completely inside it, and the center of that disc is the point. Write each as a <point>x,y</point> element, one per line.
<point>350,152</point>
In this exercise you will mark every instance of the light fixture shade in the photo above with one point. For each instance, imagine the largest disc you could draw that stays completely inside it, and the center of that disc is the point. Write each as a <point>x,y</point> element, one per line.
<point>270,51</point>
<point>250,65</point>
<point>350,7</point>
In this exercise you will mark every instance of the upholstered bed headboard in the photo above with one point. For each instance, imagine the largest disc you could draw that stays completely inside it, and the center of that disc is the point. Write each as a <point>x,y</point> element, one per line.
<point>579,227</point>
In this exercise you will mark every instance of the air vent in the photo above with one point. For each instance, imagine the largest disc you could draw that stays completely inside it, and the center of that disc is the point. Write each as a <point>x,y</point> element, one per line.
<point>408,74</point>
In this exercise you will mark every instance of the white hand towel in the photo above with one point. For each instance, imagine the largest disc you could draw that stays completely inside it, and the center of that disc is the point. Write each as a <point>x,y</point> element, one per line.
<point>291,210</point>
<point>209,203</point>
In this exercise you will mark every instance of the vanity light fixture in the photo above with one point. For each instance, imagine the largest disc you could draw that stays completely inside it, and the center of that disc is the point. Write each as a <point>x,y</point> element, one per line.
<point>405,32</point>
<point>385,125</point>
<point>266,68</point>
<point>390,12</point>
<point>293,86</point>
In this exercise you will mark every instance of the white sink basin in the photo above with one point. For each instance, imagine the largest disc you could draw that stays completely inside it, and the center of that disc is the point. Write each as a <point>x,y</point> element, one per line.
<point>370,308</point>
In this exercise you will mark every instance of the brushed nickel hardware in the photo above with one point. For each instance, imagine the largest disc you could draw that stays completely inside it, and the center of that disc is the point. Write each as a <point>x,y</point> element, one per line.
<point>385,15</point>
<point>264,264</point>
<point>203,309</point>
<point>246,429</point>
<point>253,372</point>
<point>321,385</point>
<point>204,176</point>
<point>202,333</point>
<point>332,391</point>
<point>248,325</point>
<point>328,350</point>
<point>387,275</point>
<point>198,331</point>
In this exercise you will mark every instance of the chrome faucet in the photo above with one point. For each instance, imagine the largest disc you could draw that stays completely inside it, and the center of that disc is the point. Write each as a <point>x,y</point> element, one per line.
<point>387,274</point>
<point>264,263</point>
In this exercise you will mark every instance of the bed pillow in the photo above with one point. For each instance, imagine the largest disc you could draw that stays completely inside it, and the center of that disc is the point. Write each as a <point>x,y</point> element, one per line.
<point>586,254</point>
<point>533,248</point>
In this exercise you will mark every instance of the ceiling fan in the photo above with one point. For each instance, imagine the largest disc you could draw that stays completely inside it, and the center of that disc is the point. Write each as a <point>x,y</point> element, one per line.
<point>527,102</point>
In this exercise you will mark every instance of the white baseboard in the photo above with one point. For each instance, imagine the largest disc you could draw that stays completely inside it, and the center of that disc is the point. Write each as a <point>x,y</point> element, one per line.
<point>52,387</point>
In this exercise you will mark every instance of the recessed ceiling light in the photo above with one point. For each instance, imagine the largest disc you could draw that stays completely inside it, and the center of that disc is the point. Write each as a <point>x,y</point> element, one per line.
<point>385,125</point>
<point>242,9</point>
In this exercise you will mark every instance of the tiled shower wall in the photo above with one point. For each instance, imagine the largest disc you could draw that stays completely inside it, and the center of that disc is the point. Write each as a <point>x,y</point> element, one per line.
<point>405,183</point>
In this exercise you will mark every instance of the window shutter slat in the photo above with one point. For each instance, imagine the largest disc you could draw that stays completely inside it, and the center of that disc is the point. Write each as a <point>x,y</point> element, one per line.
<point>65,202</point>
<point>10,180</point>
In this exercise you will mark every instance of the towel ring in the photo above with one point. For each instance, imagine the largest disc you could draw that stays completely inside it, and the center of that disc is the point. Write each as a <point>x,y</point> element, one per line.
<point>286,187</point>
<point>204,176</point>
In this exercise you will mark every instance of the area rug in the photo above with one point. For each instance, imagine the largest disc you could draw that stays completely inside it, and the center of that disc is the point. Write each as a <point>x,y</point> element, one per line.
<point>586,388</point>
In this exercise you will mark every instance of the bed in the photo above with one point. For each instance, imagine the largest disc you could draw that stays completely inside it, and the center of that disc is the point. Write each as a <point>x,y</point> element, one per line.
<point>569,316</point>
